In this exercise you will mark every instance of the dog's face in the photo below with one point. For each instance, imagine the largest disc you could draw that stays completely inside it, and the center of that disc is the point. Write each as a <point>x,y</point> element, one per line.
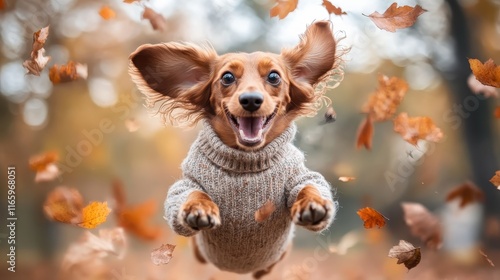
<point>248,98</point>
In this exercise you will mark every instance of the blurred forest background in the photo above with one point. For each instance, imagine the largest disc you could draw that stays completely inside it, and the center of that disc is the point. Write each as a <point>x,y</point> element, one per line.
<point>37,116</point>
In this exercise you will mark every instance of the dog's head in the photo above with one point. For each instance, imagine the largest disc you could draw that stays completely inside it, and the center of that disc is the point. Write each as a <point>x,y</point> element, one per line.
<point>249,98</point>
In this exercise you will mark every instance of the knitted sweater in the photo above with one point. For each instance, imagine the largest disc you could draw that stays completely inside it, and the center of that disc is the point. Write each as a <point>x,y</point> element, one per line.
<point>240,182</point>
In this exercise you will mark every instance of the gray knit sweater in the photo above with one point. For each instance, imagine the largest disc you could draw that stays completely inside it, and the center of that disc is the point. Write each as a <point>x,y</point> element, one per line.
<point>240,183</point>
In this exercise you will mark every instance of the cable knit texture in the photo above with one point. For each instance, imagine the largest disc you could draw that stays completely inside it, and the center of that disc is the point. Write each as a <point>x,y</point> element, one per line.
<point>240,182</point>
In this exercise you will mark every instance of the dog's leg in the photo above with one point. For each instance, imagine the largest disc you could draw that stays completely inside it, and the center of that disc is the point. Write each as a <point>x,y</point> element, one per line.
<point>199,212</point>
<point>259,274</point>
<point>311,210</point>
<point>197,253</point>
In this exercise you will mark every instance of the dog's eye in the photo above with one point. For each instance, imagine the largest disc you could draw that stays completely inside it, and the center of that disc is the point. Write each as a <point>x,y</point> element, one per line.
<point>274,78</point>
<point>227,79</point>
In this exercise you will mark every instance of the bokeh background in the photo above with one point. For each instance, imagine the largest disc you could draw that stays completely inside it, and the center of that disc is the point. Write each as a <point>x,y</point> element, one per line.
<point>37,116</point>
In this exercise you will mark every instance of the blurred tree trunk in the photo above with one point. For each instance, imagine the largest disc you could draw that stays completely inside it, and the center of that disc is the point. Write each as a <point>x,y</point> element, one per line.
<point>477,126</point>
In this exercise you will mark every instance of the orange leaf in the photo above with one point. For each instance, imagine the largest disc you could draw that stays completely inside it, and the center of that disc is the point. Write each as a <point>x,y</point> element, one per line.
<point>495,180</point>
<point>39,162</point>
<point>497,112</point>
<point>107,13</point>
<point>265,211</point>
<point>67,73</point>
<point>157,21</point>
<point>487,73</point>
<point>135,218</point>
<point>332,9</point>
<point>365,134</point>
<point>163,254</point>
<point>413,129</point>
<point>371,217</point>
<point>406,253</point>
<point>346,179</point>
<point>423,224</point>
<point>64,205</point>
<point>283,8</point>
<point>37,60</point>
<point>94,214</point>
<point>382,103</point>
<point>468,193</point>
<point>397,17</point>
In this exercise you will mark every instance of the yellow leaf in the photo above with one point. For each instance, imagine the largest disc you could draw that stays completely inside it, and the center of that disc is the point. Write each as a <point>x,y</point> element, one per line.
<point>94,214</point>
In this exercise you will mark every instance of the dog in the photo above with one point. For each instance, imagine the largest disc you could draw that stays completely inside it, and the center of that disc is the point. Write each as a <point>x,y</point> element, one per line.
<point>243,157</point>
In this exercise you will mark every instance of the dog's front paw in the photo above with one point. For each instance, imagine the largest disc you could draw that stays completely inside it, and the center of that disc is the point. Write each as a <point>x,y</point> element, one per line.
<point>312,211</point>
<point>200,213</point>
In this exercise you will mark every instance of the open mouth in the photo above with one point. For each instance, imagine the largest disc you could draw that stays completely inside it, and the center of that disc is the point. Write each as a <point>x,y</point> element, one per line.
<point>250,130</point>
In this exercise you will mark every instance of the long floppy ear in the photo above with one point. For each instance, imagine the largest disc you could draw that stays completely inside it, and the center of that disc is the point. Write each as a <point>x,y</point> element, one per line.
<point>310,62</point>
<point>176,75</point>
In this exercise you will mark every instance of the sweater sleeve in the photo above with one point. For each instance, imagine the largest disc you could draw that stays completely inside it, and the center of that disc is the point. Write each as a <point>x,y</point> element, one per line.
<point>177,195</point>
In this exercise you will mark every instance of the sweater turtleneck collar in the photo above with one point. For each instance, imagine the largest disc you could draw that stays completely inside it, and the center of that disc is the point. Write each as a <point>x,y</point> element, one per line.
<point>243,161</point>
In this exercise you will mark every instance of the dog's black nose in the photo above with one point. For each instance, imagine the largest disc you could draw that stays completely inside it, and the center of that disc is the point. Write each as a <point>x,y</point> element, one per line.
<point>251,101</point>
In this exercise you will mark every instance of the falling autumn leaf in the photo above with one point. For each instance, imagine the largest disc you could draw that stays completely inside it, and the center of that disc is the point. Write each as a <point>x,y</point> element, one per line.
<point>487,73</point>
<point>157,21</point>
<point>346,178</point>
<point>67,73</point>
<point>406,253</point>
<point>467,193</point>
<point>478,88</point>
<point>347,241</point>
<point>107,13</point>
<point>332,9</point>
<point>37,60</point>
<point>423,224</point>
<point>497,112</point>
<point>264,212</point>
<point>486,257</point>
<point>397,17</point>
<point>382,103</point>
<point>283,8</point>
<point>91,249</point>
<point>413,129</point>
<point>371,217</point>
<point>94,214</point>
<point>495,180</point>
<point>64,205</point>
<point>45,166</point>
<point>163,254</point>
<point>365,134</point>
<point>134,219</point>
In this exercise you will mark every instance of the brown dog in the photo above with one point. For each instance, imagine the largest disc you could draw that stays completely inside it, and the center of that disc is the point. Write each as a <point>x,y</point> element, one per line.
<point>243,157</point>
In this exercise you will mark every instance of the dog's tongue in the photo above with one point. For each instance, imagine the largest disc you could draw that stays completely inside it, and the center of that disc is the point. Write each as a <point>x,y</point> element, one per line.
<point>251,127</point>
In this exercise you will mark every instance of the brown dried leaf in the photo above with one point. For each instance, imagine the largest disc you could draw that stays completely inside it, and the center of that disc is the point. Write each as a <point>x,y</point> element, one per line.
<point>265,211</point>
<point>64,205</point>
<point>283,8</point>
<point>486,257</point>
<point>67,73</point>
<point>37,60</point>
<point>423,224</point>
<point>332,9</point>
<point>106,12</point>
<point>397,17</point>
<point>467,192</point>
<point>406,253</point>
<point>163,254</point>
<point>478,88</point>
<point>413,129</point>
<point>371,217</point>
<point>157,21</point>
<point>487,73</point>
<point>346,178</point>
<point>382,103</point>
<point>365,134</point>
<point>495,180</point>
<point>135,218</point>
